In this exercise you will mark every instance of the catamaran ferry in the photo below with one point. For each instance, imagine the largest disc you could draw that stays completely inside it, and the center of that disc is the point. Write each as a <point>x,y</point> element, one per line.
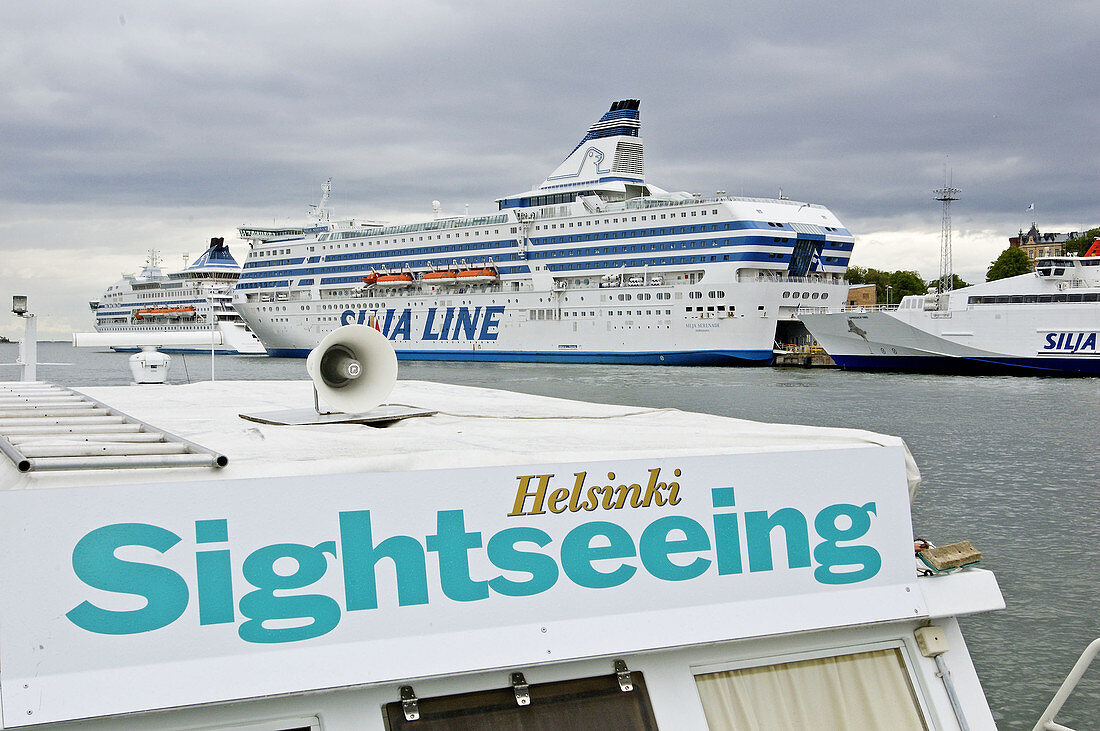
<point>1044,322</point>
<point>593,265</point>
<point>194,300</point>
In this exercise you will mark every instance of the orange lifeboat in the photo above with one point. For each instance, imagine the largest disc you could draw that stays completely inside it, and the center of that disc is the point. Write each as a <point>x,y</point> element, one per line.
<point>371,278</point>
<point>443,277</point>
<point>478,276</point>
<point>163,311</point>
<point>394,280</point>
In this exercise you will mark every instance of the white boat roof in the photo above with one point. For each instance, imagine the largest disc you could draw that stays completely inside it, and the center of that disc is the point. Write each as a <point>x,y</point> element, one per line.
<point>474,427</point>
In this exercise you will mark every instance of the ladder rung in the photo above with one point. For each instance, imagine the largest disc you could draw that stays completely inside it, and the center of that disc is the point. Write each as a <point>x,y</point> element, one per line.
<point>48,464</point>
<point>47,411</point>
<point>78,430</point>
<point>64,421</point>
<point>32,451</point>
<point>105,437</point>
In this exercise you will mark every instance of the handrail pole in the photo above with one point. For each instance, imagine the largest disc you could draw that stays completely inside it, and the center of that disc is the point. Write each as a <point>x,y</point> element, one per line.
<point>1046,721</point>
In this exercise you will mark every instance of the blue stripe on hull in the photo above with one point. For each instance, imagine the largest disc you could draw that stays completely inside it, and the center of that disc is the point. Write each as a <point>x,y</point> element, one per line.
<point>986,366</point>
<point>682,358</point>
<point>185,351</point>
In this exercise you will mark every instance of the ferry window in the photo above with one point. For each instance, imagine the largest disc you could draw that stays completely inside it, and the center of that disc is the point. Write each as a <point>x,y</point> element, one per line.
<point>824,295</point>
<point>563,704</point>
<point>859,690</point>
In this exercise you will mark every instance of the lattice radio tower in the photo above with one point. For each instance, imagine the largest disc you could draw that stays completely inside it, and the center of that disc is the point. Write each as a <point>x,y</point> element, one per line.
<point>946,194</point>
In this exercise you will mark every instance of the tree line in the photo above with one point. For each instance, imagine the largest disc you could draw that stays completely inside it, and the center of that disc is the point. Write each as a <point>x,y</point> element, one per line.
<point>890,287</point>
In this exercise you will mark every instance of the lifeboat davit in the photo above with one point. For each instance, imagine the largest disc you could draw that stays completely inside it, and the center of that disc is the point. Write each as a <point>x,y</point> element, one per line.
<point>394,280</point>
<point>478,276</point>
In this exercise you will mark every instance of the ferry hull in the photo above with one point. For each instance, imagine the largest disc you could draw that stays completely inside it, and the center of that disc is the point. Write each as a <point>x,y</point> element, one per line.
<point>992,342</point>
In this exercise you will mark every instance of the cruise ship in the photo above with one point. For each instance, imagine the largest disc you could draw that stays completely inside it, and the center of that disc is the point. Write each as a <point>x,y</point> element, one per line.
<point>1043,322</point>
<point>594,265</point>
<point>194,299</point>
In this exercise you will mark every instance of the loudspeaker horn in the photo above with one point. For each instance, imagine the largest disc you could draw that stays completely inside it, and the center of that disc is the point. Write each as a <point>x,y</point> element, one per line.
<point>353,368</point>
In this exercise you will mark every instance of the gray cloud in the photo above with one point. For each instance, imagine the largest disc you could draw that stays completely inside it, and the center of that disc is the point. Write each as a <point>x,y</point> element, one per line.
<point>233,112</point>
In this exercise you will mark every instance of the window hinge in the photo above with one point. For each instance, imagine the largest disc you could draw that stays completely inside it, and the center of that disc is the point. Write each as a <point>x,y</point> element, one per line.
<point>408,703</point>
<point>522,690</point>
<point>623,674</point>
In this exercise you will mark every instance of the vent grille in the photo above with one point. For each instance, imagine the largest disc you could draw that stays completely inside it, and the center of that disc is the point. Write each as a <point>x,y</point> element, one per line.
<point>807,228</point>
<point>628,159</point>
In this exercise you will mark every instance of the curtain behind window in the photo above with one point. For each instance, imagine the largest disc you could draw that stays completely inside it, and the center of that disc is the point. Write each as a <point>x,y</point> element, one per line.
<point>864,690</point>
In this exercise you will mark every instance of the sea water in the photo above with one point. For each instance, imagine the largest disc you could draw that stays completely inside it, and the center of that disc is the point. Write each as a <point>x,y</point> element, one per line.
<point>1010,463</point>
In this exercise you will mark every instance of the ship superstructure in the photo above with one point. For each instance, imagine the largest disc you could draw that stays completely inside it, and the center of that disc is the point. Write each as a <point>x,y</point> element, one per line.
<point>197,298</point>
<point>593,265</point>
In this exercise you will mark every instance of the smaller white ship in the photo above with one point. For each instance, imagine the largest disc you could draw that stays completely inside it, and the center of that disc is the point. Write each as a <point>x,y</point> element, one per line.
<point>195,299</point>
<point>1047,321</point>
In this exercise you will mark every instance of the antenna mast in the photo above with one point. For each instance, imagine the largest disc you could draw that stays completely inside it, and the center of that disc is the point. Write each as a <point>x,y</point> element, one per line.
<point>945,195</point>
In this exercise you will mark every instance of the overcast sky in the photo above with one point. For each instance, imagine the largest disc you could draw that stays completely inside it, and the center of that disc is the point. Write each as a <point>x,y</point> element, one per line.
<point>126,126</point>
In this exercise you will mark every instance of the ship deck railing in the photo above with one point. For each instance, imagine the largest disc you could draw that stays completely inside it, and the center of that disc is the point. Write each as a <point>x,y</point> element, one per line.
<point>869,308</point>
<point>1046,721</point>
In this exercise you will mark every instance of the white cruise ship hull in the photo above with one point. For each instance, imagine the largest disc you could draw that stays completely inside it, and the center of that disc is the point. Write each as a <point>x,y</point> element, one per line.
<point>564,326</point>
<point>236,338</point>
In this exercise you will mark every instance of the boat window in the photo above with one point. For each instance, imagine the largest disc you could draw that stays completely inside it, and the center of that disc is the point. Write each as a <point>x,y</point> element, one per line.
<point>582,703</point>
<point>858,690</point>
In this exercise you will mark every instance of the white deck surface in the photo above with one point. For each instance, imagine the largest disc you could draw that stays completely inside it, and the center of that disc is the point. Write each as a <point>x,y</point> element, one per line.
<point>474,427</point>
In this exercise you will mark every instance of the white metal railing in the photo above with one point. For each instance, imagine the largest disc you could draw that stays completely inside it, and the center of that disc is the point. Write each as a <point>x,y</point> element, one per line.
<point>1046,721</point>
<point>869,308</point>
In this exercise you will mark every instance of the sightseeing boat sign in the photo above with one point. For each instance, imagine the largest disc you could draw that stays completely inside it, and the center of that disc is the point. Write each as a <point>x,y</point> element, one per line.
<point>123,598</point>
